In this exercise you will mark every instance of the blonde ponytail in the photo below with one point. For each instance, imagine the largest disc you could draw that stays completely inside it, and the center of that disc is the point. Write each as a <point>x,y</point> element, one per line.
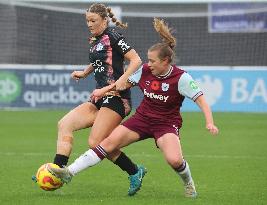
<point>167,46</point>
<point>165,32</point>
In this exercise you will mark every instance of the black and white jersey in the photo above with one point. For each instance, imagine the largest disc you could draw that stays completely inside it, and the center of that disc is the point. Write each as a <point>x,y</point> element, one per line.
<point>106,53</point>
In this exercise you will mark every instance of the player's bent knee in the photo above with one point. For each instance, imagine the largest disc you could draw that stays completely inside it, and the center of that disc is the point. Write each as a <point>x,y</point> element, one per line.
<point>175,161</point>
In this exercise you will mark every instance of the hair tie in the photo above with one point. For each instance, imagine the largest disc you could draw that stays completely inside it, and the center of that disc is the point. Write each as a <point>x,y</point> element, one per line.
<point>114,19</point>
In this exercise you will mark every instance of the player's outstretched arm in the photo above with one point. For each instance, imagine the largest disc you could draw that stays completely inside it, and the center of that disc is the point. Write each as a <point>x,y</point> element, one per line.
<point>78,74</point>
<point>201,102</point>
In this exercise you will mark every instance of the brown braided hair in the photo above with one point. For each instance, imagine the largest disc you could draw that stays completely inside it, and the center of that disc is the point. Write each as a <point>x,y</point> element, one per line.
<point>104,12</point>
<point>167,46</point>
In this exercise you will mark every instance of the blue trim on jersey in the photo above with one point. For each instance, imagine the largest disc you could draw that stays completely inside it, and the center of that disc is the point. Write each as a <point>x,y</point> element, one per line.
<point>136,76</point>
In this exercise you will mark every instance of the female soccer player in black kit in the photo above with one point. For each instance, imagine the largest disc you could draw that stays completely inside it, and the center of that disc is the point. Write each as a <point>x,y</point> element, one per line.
<point>107,52</point>
<point>165,87</point>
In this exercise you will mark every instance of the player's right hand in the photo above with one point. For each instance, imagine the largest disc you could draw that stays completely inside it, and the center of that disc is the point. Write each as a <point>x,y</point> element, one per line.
<point>77,75</point>
<point>212,129</point>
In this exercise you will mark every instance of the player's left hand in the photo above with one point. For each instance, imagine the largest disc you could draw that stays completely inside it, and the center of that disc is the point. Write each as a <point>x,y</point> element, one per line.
<point>97,94</point>
<point>212,129</point>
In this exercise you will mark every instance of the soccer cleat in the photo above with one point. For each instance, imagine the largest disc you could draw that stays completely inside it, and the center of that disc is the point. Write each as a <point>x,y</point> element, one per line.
<point>190,190</point>
<point>61,173</point>
<point>34,178</point>
<point>136,180</point>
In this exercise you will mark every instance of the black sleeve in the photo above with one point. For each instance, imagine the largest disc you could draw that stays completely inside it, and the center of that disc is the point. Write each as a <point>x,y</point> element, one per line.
<point>119,43</point>
<point>89,59</point>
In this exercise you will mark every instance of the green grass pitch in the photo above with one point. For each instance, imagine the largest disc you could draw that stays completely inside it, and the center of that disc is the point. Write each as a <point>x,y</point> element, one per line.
<point>228,169</point>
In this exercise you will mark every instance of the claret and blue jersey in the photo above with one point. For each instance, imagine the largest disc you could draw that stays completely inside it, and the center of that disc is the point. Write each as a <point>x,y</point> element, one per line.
<point>164,95</point>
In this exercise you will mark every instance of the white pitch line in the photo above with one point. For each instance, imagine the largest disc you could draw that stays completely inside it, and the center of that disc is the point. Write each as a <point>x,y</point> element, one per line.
<point>207,156</point>
<point>143,155</point>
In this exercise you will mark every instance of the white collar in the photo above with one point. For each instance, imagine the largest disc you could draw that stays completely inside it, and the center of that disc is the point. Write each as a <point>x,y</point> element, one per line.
<point>166,74</point>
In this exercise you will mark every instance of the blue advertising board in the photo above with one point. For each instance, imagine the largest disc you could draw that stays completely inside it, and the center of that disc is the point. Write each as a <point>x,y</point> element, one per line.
<point>238,17</point>
<point>42,89</point>
<point>232,90</point>
<point>224,90</point>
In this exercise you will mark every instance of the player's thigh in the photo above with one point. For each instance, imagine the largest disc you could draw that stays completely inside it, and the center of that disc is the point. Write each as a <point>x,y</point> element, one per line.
<point>120,137</point>
<point>170,146</point>
<point>80,117</point>
<point>106,121</point>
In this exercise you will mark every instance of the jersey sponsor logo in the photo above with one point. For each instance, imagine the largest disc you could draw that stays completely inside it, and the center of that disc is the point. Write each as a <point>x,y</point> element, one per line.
<point>156,96</point>
<point>165,86</point>
<point>98,65</point>
<point>124,46</point>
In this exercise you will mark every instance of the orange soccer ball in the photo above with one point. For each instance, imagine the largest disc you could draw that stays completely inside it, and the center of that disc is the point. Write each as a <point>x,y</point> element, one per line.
<point>46,180</point>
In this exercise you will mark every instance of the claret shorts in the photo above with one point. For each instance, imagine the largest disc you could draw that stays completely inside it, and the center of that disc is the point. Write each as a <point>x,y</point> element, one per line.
<point>150,128</point>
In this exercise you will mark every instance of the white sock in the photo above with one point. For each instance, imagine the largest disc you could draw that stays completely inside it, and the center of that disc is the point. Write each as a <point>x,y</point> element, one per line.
<point>185,174</point>
<point>88,159</point>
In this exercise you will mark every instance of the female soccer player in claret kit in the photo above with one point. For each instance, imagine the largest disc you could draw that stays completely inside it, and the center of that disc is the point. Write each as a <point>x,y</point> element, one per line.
<point>164,87</point>
<point>108,50</point>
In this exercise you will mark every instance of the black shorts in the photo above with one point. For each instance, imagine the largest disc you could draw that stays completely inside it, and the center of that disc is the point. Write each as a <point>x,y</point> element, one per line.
<point>121,106</point>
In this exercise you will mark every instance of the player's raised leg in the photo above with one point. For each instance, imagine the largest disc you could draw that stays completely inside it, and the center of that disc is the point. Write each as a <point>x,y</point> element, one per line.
<point>120,137</point>
<point>80,117</point>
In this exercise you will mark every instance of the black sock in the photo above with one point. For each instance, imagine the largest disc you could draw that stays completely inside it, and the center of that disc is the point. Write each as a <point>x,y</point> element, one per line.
<point>126,164</point>
<point>61,160</point>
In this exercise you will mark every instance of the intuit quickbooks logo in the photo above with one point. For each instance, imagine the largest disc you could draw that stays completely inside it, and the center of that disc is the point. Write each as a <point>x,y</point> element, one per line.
<point>10,87</point>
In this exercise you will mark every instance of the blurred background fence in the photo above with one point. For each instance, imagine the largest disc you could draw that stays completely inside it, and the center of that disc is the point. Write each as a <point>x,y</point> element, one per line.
<point>42,41</point>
